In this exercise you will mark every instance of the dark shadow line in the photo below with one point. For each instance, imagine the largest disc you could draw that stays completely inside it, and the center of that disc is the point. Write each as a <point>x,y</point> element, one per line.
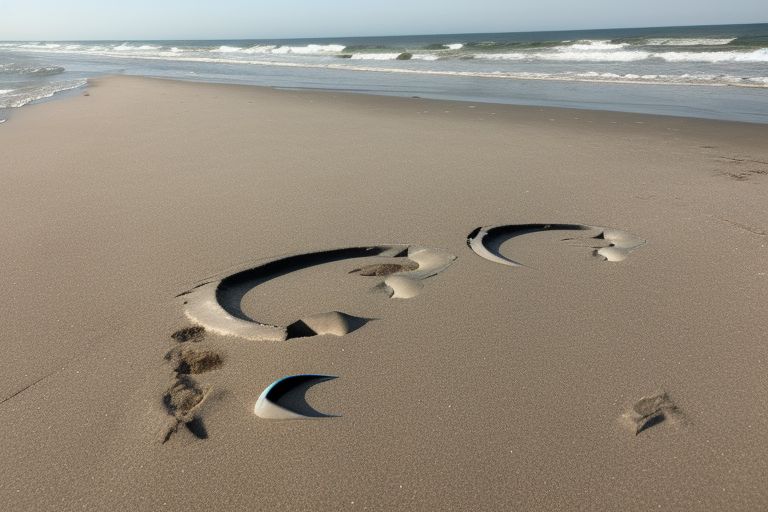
<point>290,393</point>
<point>232,289</point>
<point>26,387</point>
<point>651,422</point>
<point>496,236</point>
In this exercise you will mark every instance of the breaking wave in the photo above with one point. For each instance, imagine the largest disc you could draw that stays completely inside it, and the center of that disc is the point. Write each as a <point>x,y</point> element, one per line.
<point>702,50</point>
<point>22,96</point>
<point>688,41</point>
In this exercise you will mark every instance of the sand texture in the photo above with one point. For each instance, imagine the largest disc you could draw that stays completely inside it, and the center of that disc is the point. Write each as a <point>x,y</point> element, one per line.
<point>236,298</point>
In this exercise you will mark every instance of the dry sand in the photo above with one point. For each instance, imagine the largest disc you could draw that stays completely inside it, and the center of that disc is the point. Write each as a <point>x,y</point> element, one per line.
<point>495,388</point>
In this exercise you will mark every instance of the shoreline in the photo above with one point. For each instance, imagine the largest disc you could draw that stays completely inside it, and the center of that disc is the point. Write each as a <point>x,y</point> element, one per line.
<point>84,89</point>
<point>476,384</point>
<point>582,100</point>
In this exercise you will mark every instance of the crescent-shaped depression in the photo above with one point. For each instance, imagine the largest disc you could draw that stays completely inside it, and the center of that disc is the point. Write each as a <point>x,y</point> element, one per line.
<point>284,399</point>
<point>486,241</point>
<point>216,305</point>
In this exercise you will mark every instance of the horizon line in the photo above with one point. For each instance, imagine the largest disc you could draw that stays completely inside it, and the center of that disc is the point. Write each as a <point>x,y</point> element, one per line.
<point>390,35</point>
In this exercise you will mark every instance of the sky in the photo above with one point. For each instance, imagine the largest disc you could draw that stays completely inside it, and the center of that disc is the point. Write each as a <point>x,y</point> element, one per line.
<point>261,19</point>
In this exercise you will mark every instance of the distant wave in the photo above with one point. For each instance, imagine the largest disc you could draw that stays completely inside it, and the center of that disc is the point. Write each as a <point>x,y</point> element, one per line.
<point>237,49</point>
<point>375,56</point>
<point>569,55</point>
<point>760,55</point>
<point>750,41</point>
<point>49,46</point>
<point>688,41</point>
<point>593,45</point>
<point>127,47</point>
<point>495,46</point>
<point>309,49</point>
<point>566,54</point>
<point>393,56</point>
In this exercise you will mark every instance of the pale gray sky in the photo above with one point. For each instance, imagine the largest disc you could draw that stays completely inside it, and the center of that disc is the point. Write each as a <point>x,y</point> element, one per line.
<point>225,19</point>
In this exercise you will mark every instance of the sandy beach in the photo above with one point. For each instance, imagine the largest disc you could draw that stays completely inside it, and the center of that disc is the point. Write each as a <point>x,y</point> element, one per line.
<point>468,383</point>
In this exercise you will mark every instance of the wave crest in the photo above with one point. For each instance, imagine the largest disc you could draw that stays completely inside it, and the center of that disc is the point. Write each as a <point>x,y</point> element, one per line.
<point>20,97</point>
<point>19,69</point>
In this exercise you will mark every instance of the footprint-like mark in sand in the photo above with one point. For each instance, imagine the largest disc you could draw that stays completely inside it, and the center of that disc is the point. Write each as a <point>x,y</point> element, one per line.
<point>216,305</point>
<point>284,399</point>
<point>182,401</point>
<point>743,169</point>
<point>609,244</point>
<point>194,333</point>
<point>652,410</point>
<point>185,396</point>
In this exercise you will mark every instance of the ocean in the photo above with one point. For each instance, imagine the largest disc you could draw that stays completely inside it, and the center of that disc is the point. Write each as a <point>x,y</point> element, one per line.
<point>715,72</point>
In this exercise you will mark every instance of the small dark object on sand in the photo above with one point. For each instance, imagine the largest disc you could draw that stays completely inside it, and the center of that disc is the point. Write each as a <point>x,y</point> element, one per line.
<point>194,334</point>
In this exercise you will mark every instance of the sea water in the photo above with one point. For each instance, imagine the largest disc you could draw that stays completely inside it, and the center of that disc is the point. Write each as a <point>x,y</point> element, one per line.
<point>718,72</point>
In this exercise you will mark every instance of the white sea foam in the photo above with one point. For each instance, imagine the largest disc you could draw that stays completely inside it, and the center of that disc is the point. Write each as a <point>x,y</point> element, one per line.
<point>5,91</point>
<point>228,49</point>
<point>594,56</point>
<point>760,55</point>
<point>393,56</point>
<point>454,46</point>
<point>127,47</point>
<point>590,45</point>
<point>21,97</point>
<point>21,69</point>
<point>259,49</point>
<point>688,42</point>
<point>565,54</point>
<point>502,56</point>
<point>374,56</point>
<point>309,49</point>
<point>569,55</point>
<point>173,52</point>
<point>41,46</point>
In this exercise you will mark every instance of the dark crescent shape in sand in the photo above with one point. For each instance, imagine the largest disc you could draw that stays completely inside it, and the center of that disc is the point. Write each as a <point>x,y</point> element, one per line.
<point>284,399</point>
<point>216,305</point>
<point>486,241</point>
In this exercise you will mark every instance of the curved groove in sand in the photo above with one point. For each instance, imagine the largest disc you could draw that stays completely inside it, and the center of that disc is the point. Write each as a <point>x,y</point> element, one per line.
<point>486,241</point>
<point>284,399</point>
<point>216,305</point>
